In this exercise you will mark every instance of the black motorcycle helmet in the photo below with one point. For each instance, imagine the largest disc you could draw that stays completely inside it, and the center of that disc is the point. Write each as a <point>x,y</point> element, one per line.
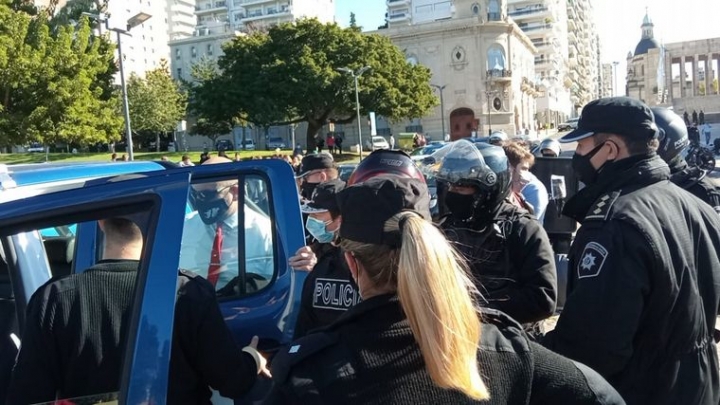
<point>385,161</point>
<point>549,148</point>
<point>673,133</point>
<point>481,165</point>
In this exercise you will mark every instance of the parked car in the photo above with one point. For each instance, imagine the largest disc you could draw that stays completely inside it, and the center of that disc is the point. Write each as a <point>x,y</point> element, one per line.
<point>48,225</point>
<point>345,170</point>
<point>275,143</point>
<point>568,125</point>
<point>249,144</point>
<point>377,142</point>
<point>35,147</point>
<point>224,144</point>
<point>423,151</point>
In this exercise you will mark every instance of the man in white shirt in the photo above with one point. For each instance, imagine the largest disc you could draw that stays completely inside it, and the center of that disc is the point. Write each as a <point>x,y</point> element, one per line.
<point>210,244</point>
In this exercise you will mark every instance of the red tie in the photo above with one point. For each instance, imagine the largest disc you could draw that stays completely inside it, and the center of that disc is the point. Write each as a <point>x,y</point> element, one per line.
<point>214,268</point>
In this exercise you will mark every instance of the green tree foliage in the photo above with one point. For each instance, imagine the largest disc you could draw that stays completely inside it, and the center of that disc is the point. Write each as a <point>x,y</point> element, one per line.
<point>353,21</point>
<point>156,102</point>
<point>50,91</point>
<point>289,75</point>
<point>208,105</point>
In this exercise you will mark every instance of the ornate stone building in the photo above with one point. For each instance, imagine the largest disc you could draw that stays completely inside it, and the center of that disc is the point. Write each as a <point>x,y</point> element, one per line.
<point>483,66</point>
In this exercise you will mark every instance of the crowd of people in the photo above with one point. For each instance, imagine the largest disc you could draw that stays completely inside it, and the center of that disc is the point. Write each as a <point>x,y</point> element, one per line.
<point>451,311</point>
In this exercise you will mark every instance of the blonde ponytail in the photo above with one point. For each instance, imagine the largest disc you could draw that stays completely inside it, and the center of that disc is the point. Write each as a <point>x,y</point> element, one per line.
<point>436,294</point>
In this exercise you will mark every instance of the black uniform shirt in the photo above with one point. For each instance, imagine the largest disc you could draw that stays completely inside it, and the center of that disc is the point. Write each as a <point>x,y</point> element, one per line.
<point>328,292</point>
<point>76,332</point>
<point>370,356</point>
<point>644,286</point>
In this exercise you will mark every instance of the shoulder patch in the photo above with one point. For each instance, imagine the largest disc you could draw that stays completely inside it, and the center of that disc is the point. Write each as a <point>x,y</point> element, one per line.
<point>602,207</point>
<point>591,260</point>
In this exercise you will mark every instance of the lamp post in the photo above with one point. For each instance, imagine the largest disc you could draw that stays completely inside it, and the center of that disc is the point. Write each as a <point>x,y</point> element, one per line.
<point>615,64</point>
<point>442,106</point>
<point>133,21</point>
<point>355,75</point>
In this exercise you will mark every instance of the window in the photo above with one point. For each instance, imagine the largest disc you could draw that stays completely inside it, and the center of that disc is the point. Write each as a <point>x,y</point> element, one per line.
<point>179,73</point>
<point>178,54</point>
<point>209,49</point>
<point>496,58</point>
<point>244,263</point>
<point>493,10</point>
<point>193,52</point>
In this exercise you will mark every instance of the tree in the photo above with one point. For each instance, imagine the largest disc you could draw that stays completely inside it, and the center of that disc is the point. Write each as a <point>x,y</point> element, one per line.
<point>206,102</point>
<point>290,75</point>
<point>49,86</point>
<point>353,22</point>
<point>715,85</point>
<point>156,102</point>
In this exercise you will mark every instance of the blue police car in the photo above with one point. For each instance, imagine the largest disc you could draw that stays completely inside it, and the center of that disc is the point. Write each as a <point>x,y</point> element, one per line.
<point>48,228</point>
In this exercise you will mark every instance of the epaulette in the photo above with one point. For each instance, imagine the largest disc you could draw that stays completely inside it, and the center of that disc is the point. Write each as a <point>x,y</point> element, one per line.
<point>602,207</point>
<point>298,351</point>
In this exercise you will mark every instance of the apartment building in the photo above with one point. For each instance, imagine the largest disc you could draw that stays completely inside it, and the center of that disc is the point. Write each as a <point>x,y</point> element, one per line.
<point>607,80</point>
<point>583,48</point>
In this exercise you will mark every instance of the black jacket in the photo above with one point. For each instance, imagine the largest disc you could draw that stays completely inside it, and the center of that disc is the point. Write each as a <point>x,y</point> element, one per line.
<point>328,292</point>
<point>512,262</point>
<point>696,182</point>
<point>370,356</point>
<point>76,332</point>
<point>644,286</point>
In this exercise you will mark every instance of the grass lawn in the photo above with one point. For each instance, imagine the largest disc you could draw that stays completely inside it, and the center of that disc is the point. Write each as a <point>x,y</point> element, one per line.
<point>17,158</point>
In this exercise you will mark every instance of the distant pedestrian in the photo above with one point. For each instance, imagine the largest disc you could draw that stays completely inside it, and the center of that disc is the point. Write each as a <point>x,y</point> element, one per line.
<point>338,143</point>
<point>298,150</point>
<point>186,161</point>
<point>392,142</point>
<point>707,131</point>
<point>330,143</point>
<point>113,157</point>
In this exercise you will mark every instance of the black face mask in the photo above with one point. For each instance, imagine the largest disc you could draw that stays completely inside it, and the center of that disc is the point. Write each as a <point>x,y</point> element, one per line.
<point>461,206</point>
<point>212,211</point>
<point>584,170</point>
<point>307,189</point>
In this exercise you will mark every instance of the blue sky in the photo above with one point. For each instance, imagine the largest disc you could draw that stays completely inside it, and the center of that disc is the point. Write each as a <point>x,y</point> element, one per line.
<point>370,14</point>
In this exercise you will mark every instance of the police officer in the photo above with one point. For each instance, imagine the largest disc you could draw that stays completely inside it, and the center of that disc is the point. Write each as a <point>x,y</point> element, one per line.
<point>673,140</point>
<point>329,290</point>
<point>645,272</point>
<point>506,247</point>
<point>416,338</point>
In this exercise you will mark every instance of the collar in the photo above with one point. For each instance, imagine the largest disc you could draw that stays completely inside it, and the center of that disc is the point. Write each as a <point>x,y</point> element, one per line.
<point>635,171</point>
<point>119,265</point>
<point>388,304</point>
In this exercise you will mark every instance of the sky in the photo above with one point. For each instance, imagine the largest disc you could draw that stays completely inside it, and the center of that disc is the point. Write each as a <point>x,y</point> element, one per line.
<point>618,21</point>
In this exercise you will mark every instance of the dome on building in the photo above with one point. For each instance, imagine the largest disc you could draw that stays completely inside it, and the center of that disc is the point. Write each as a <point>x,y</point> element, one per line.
<point>645,45</point>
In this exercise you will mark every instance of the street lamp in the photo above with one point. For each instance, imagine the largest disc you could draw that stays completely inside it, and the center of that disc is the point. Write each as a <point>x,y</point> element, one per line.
<point>134,21</point>
<point>355,76</point>
<point>615,63</point>
<point>442,106</point>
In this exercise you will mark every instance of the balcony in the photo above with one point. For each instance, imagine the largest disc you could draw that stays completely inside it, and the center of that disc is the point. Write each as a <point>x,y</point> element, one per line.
<point>184,19</point>
<point>398,17</point>
<point>535,11</point>
<point>253,2</point>
<point>210,7</point>
<point>256,15</point>
<point>398,3</point>
<point>535,27</point>
<point>499,75</point>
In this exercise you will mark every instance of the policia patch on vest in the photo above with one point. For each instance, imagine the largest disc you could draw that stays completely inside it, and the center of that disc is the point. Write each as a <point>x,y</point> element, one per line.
<point>591,260</point>
<point>602,206</point>
<point>330,293</point>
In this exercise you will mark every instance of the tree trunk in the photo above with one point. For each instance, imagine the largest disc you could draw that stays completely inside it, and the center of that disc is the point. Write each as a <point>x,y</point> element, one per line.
<point>312,130</point>
<point>157,141</point>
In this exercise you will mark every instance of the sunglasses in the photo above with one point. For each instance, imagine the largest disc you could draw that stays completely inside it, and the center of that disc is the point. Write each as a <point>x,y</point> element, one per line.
<point>208,195</point>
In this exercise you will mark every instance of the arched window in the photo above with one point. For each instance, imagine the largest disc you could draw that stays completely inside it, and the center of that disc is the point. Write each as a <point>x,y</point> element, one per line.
<point>494,10</point>
<point>475,9</point>
<point>496,58</point>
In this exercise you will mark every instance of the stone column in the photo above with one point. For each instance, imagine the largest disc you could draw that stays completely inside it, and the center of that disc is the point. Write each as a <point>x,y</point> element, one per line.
<point>682,76</point>
<point>708,74</point>
<point>695,68</point>
<point>668,77</point>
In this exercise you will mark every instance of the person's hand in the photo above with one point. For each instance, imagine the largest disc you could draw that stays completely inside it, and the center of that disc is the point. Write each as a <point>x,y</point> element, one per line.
<point>260,360</point>
<point>304,259</point>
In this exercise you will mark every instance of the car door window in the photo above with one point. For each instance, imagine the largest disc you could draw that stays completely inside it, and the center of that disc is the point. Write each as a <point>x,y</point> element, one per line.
<point>228,236</point>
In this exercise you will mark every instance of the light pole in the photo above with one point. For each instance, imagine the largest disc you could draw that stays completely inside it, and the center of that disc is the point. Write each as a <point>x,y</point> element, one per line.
<point>442,107</point>
<point>615,64</point>
<point>134,21</point>
<point>355,76</point>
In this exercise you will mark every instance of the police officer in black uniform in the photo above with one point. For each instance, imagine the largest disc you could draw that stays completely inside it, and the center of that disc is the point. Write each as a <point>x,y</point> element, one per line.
<point>329,290</point>
<point>673,140</point>
<point>507,248</point>
<point>644,266</point>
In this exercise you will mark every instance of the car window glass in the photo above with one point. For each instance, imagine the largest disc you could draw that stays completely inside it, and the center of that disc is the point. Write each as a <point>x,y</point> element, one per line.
<point>238,258</point>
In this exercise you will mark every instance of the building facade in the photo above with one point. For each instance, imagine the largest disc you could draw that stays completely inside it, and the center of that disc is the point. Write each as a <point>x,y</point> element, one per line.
<point>683,75</point>
<point>482,64</point>
<point>607,80</point>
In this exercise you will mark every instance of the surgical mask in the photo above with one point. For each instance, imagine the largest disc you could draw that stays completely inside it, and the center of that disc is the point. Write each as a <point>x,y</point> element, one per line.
<point>307,189</point>
<point>584,170</point>
<point>461,206</point>
<point>318,229</point>
<point>212,211</point>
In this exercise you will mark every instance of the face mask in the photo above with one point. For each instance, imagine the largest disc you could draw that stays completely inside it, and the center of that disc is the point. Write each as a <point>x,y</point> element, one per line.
<point>461,206</point>
<point>307,189</point>
<point>584,170</point>
<point>318,229</point>
<point>212,211</point>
